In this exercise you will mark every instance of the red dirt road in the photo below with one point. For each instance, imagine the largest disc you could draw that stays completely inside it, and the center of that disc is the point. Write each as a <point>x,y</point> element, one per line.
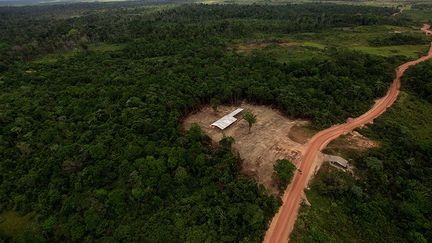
<point>283,222</point>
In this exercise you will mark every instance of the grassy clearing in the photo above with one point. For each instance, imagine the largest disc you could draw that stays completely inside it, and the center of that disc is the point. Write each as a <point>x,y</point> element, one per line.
<point>295,53</point>
<point>414,114</point>
<point>248,47</point>
<point>377,3</point>
<point>303,46</point>
<point>419,15</point>
<point>100,47</point>
<point>103,47</point>
<point>14,225</point>
<point>353,35</point>
<point>313,44</point>
<point>54,57</point>
<point>281,48</point>
<point>357,38</point>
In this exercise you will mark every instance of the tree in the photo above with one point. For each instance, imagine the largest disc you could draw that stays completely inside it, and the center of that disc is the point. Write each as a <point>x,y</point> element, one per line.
<point>284,172</point>
<point>226,142</point>
<point>181,174</point>
<point>374,165</point>
<point>97,151</point>
<point>250,118</point>
<point>214,104</point>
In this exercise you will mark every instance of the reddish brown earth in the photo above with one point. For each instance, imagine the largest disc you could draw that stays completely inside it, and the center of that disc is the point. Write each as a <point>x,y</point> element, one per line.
<point>283,222</point>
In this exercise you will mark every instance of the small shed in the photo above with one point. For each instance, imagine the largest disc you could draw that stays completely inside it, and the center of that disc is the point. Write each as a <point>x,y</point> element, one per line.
<point>227,120</point>
<point>337,160</point>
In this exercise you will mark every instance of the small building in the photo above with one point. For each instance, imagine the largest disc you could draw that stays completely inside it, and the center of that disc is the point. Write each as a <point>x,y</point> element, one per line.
<point>340,163</point>
<point>227,120</point>
<point>337,161</point>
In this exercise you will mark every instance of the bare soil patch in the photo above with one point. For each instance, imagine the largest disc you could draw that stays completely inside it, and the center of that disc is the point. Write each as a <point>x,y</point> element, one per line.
<point>268,141</point>
<point>352,141</point>
<point>248,47</point>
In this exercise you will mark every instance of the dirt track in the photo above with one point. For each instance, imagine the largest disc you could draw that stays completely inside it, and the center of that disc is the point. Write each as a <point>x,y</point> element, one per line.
<point>283,222</point>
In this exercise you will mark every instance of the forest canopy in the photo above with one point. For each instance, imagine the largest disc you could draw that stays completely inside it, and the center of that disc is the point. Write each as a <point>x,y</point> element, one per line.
<point>91,144</point>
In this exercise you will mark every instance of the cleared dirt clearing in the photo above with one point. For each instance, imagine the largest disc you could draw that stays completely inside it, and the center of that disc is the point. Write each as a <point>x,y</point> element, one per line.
<point>259,150</point>
<point>248,47</point>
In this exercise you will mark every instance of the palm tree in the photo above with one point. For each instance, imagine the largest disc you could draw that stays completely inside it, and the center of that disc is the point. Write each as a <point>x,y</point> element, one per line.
<point>250,118</point>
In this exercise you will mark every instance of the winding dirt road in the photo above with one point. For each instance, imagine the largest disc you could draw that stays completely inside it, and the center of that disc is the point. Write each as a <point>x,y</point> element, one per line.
<point>283,222</point>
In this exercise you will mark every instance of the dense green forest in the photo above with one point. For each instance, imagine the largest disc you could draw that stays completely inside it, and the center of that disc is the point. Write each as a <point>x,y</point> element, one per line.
<point>45,29</point>
<point>400,39</point>
<point>91,144</point>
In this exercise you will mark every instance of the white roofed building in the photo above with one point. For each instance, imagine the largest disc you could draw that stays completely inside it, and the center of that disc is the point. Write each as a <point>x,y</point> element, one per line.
<point>227,120</point>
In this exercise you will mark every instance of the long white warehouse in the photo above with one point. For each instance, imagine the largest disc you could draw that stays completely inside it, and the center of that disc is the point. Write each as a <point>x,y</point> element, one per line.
<point>227,120</point>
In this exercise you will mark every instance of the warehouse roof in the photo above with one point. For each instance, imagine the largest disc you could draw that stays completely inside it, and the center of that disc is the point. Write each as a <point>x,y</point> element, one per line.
<point>227,120</point>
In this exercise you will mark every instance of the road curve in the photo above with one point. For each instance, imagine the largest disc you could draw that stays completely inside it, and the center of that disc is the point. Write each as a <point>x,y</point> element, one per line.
<point>283,222</point>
